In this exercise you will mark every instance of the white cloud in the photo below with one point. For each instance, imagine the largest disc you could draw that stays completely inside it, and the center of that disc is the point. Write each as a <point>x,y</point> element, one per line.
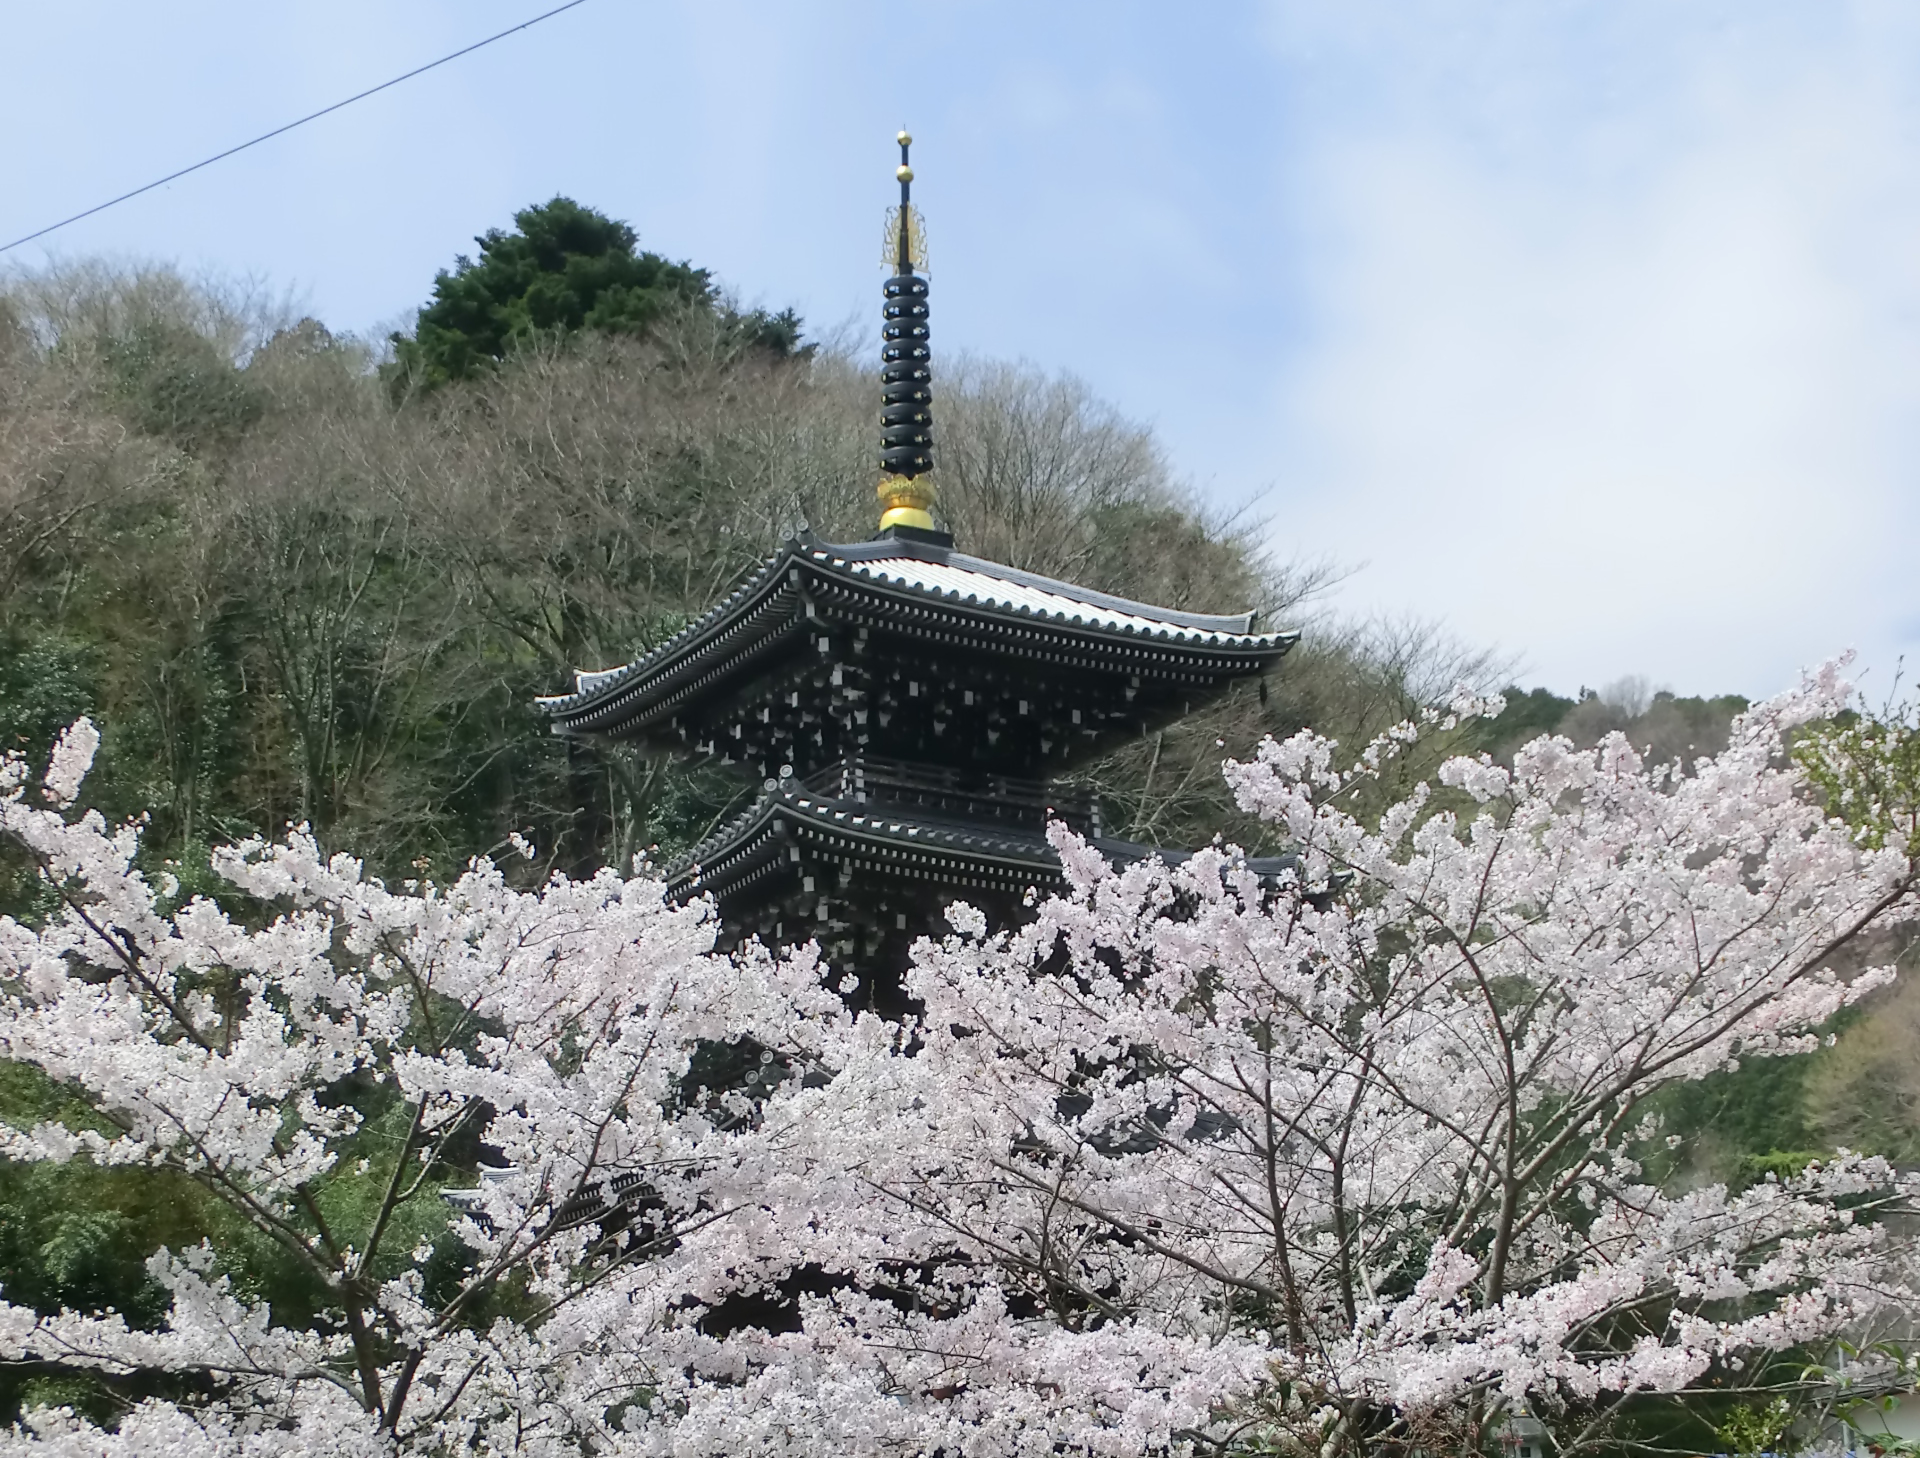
<point>1625,385</point>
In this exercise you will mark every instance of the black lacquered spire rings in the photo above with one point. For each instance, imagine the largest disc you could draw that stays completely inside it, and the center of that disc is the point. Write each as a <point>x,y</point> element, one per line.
<point>906,376</point>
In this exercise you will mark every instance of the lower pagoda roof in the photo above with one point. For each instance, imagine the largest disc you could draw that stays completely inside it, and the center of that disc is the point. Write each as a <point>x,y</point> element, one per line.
<point>878,609</point>
<point>793,827</point>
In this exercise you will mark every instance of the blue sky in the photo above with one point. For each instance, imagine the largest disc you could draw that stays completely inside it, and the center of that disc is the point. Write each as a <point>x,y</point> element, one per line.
<point>1590,329</point>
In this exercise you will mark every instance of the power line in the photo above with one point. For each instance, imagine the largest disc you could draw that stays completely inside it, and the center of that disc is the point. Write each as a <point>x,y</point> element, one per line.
<point>277,131</point>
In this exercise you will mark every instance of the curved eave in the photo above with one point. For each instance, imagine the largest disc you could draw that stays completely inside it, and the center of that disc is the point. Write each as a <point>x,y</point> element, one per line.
<point>930,849</point>
<point>795,816</point>
<point>595,692</point>
<point>708,649</point>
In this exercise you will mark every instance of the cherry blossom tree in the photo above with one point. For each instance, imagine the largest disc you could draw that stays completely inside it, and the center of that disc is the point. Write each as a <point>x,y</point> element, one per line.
<point>1345,1160</point>
<point>1352,1163</point>
<point>311,1055</point>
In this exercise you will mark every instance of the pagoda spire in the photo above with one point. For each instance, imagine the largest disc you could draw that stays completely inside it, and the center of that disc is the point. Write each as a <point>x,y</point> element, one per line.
<point>906,411</point>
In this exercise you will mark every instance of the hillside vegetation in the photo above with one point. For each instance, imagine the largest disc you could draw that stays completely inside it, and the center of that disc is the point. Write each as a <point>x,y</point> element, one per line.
<point>290,591</point>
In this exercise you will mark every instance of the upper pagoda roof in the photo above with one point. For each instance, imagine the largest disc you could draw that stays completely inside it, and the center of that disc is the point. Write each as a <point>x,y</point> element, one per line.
<point>901,581</point>
<point>950,576</point>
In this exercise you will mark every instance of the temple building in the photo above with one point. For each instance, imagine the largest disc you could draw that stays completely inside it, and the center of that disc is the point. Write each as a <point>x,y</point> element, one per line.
<point>913,715</point>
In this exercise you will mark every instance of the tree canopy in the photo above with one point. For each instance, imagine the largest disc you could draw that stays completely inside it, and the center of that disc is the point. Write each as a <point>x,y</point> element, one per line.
<point>564,268</point>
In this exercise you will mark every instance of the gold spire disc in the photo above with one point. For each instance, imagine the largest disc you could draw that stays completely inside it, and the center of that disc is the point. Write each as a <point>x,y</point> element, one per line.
<point>906,499</point>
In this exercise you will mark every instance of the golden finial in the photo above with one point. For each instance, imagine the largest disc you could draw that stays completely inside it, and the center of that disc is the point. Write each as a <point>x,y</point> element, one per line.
<point>906,245</point>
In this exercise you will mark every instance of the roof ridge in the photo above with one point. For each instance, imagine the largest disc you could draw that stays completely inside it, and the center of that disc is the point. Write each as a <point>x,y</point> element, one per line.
<point>1209,622</point>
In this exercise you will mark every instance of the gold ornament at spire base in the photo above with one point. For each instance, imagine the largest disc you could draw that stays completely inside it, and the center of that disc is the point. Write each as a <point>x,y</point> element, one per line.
<point>905,501</point>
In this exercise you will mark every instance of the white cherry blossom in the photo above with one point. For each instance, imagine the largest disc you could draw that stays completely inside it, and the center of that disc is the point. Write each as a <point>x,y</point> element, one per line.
<point>557,1026</point>
<point>1345,1160</point>
<point>1197,1160</point>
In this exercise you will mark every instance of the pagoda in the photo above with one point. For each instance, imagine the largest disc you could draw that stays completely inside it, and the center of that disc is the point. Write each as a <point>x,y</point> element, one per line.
<point>912,714</point>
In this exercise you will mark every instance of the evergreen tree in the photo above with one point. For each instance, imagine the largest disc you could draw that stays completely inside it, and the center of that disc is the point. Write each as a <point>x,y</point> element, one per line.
<point>564,268</point>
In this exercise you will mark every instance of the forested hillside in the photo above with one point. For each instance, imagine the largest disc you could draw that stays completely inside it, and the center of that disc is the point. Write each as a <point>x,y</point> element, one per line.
<point>294,587</point>
<point>298,576</point>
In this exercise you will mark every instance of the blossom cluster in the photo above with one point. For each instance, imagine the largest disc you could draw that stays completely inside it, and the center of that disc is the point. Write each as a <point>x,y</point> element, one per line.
<point>1201,1156</point>
<point>556,1027</point>
<point>1372,1130</point>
